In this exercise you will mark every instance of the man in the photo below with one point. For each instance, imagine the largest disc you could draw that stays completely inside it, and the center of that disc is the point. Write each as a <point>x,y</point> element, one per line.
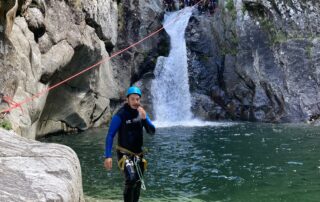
<point>129,122</point>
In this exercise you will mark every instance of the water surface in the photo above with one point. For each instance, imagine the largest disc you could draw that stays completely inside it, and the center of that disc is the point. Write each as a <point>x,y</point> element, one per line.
<point>241,162</point>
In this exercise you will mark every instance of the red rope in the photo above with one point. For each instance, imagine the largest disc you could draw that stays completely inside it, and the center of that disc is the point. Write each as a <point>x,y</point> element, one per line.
<point>11,103</point>
<point>105,59</point>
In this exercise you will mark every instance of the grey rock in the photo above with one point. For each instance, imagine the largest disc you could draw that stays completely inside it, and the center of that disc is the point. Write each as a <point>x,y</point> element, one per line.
<point>81,102</point>
<point>261,55</point>
<point>45,43</point>
<point>34,171</point>
<point>63,22</point>
<point>55,59</point>
<point>204,107</point>
<point>134,24</point>
<point>50,43</point>
<point>103,16</point>
<point>35,19</point>
<point>24,62</point>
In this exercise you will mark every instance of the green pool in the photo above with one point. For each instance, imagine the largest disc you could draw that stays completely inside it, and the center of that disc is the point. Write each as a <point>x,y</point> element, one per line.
<point>228,162</point>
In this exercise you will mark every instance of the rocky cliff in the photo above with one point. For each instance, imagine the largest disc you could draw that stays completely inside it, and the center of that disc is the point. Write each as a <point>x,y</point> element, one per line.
<point>52,40</point>
<point>256,60</point>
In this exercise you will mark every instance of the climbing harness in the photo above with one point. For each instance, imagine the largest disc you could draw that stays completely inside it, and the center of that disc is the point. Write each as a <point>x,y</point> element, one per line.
<point>126,162</point>
<point>126,151</point>
<point>136,160</point>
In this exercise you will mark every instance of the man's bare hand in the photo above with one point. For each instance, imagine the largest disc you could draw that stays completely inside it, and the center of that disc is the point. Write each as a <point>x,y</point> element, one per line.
<point>108,163</point>
<point>142,112</point>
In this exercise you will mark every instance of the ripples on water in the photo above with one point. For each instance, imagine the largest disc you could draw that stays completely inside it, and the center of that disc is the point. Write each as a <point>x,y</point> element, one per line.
<point>241,162</point>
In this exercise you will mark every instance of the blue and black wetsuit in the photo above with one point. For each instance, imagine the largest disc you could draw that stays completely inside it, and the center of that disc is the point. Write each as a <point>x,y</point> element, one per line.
<point>129,126</point>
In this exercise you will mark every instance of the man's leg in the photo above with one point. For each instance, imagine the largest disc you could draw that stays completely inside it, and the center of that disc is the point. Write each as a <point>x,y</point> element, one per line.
<point>132,186</point>
<point>128,193</point>
<point>137,186</point>
<point>136,193</point>
<point>128,184</point>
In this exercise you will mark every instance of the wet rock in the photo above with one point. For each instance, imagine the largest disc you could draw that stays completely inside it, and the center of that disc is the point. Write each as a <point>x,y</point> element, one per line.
<point>203,107</point>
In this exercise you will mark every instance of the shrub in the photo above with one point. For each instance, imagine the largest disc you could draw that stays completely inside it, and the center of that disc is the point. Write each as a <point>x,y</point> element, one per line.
<point>5,124</point>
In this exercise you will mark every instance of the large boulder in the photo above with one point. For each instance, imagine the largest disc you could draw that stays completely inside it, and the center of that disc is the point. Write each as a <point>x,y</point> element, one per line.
<point>34,171</point>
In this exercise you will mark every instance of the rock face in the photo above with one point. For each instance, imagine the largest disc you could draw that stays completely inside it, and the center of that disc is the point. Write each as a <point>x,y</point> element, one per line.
<point>103,16</point>
<point>256,60</point>
<point>138,19</point>
<point>252,60</point>
<point>9,8</point>
<point>52,40</point>
<point>38,171</point>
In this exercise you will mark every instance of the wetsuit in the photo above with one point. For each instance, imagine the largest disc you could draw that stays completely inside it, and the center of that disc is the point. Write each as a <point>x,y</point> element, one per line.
<point>129,125</point>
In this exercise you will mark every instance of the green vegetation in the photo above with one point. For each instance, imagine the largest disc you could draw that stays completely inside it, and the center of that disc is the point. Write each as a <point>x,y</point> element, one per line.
<point>229,44</point>
<point>276,36</point>
<point>204,58</point>
<point>5,124</point>
<point>258,12</point>
<point>230,5</point>
<point>309,51</point>
<point>231,9</point>
<point>267,25</point>
<point>75,3</point>
<point>244,9</point>
<point>229,51</point>
<point>121,22</point>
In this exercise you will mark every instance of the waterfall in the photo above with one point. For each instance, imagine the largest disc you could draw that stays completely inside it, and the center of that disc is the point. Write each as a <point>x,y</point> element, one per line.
<point>170,88</point>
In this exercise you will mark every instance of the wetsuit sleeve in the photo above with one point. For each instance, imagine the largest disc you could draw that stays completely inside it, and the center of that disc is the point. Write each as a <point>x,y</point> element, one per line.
<point>150,128</point>
<point>114,126</point>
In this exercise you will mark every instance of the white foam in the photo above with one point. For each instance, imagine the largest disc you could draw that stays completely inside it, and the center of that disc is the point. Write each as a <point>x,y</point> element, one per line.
<point>191,123</point>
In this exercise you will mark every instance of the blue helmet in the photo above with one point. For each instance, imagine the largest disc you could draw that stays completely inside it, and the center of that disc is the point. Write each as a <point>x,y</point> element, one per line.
<point>134,90</point>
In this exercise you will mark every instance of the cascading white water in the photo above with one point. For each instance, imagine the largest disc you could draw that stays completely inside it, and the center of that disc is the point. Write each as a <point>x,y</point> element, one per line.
<point>170,88</point>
